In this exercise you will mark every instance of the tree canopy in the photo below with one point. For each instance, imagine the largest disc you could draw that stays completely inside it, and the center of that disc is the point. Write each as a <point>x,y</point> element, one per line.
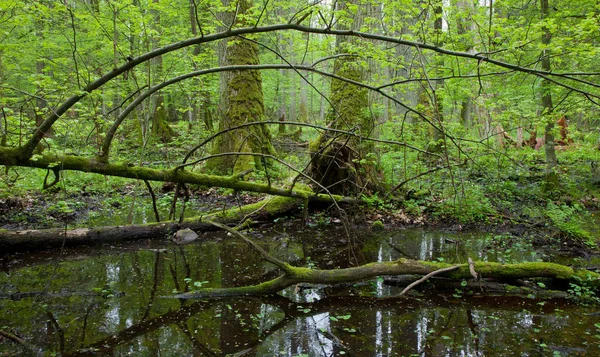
<point>405,89</point>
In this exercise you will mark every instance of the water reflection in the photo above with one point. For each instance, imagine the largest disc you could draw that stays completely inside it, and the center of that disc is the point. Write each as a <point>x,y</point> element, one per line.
<point>111,301</point>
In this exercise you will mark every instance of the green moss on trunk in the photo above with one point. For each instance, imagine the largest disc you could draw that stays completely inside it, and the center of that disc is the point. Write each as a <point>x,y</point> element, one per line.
<point>344,165</point>
<point>244,103</point>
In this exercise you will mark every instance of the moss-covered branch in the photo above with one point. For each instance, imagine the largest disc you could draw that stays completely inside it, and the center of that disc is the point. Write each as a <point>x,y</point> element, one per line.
<point>9,157</point>
<point>488,270</point>
<point>404,267</point>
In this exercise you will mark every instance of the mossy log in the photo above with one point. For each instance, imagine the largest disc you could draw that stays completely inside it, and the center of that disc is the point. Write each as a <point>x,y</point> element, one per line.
<point>301,275</point>
<point>297,275</point>
<point>55,237</point>
<point>9,157</point>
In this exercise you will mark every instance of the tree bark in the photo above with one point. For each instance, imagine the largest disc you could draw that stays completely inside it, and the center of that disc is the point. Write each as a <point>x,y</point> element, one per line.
<point>341,164</point>
<point>241,101</point>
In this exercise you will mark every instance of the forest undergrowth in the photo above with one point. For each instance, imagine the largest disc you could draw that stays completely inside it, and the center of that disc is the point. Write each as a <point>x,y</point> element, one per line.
<point>503,192</point>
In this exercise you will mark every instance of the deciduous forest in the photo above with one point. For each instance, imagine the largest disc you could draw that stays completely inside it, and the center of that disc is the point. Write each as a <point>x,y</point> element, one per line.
<point>299,178</point>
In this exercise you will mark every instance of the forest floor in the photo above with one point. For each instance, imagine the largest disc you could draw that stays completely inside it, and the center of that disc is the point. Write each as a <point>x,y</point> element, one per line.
<point>491,196</point>
<point>131,205</point>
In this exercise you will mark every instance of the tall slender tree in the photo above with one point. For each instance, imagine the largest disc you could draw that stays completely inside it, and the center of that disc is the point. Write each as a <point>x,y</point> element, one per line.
<point>551,162</point>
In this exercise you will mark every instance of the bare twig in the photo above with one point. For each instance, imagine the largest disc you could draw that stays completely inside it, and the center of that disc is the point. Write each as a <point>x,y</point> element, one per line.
<point>156,215</point>
<point>426,277</point>
<point>472,269</point>
<point>12,337</point>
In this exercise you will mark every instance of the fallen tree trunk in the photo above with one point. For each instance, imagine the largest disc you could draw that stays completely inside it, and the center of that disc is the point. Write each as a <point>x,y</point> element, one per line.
<point>300,275</point>
<point>9,157</point>
<point>297,275</point>
<point>56,237</point>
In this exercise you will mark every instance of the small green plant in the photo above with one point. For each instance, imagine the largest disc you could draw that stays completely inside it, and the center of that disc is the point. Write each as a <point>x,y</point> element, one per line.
<point>377,226</point>
<point>198,284</point>
<point>61,207</point>
<point>340,317</point>
<point>458,293</point>
<point>569,220</point>
<point>413,207</point>
<point>373,201</point>
<point>303,309</point>
<point>468,206</point>
<point>310,264</point>
<point>583,293</point>
<point>105,292</point>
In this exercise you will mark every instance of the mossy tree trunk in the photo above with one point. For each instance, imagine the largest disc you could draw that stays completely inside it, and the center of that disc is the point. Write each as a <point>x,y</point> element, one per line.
<point>241,101</point>
<point>342,164</point>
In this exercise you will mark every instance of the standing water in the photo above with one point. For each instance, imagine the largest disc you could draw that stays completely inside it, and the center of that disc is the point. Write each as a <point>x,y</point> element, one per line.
<point>115,300</point>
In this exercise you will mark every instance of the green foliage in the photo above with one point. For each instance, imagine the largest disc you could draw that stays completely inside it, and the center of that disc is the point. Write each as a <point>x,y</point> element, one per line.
<point>49,55</point>
<point>373,201</point>
<point>569,220</point>
<point>507,248</point>
<point>377,226</point>
<point>583,293</point>
<point>60,208</point>
<point>470,205</point>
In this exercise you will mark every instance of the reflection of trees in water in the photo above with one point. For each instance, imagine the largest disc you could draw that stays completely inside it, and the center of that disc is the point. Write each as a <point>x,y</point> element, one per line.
<point>404,326</point>
<point>240,266</point>
<point>142,322</point>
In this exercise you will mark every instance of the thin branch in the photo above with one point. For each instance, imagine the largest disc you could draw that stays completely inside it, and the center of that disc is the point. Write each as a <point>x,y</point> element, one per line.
<point>197,18</point>
<point>332,130</point>
<point>426,277</point>
<point>72,17</point>
<point>314,64</point>
<point>262,12</point>
<point>424,173</point>
<point>12,337</point>
<point>472,269</point>
<point>156,215</point>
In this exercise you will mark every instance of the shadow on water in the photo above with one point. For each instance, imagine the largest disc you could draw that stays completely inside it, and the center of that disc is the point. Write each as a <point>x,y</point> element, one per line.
<point>111,300</point>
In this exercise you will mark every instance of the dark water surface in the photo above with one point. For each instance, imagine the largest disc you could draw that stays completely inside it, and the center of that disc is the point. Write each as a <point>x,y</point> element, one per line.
<point>112,301</point>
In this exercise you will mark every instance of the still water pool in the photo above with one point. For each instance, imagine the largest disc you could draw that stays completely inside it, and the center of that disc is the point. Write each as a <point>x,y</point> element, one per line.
<point>114,301</point>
